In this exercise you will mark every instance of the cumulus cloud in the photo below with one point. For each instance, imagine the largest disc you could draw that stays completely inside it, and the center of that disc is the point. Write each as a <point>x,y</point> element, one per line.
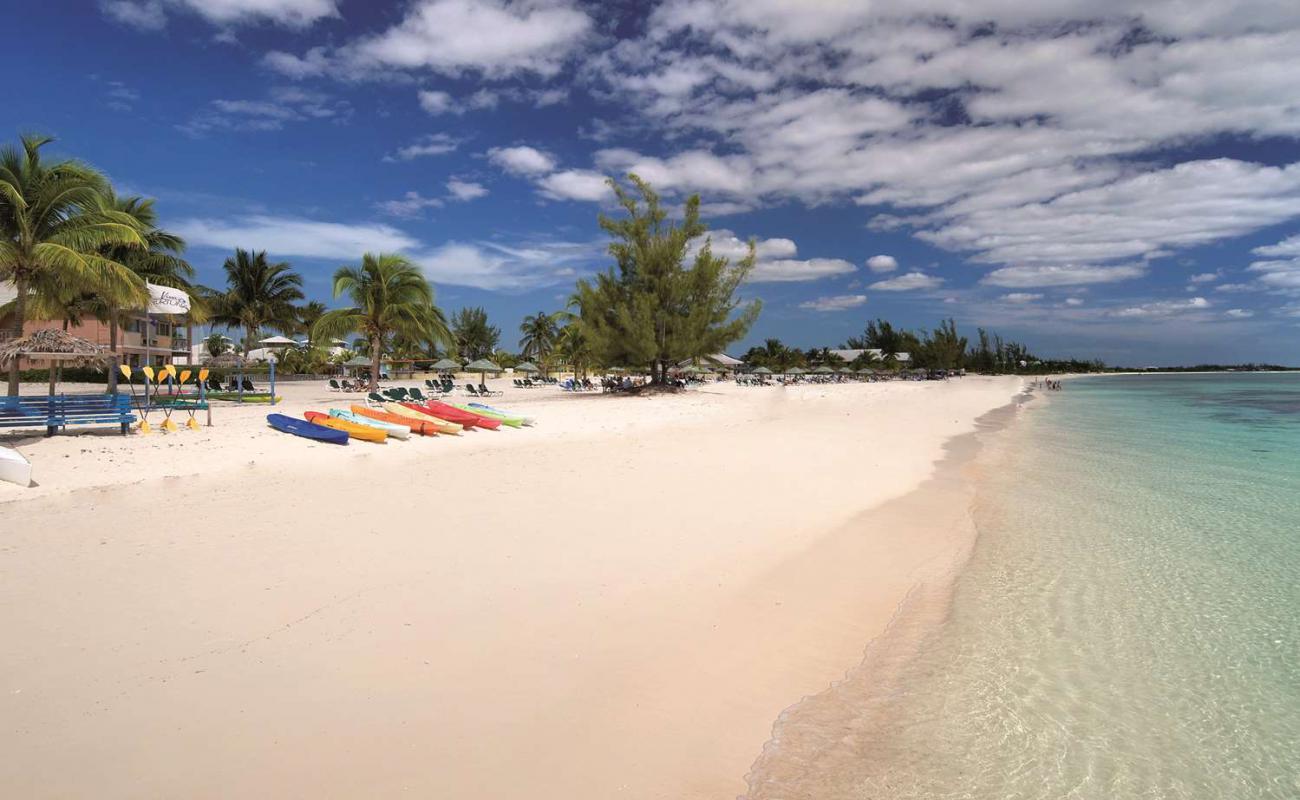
<point>151,15</point>
<point>575,184</point>
<point>493,266</point>
<point>494,38</point>
<point>410,205</point>
<point>465,190</point>
<point>1020,298</point>
<point>774,259</point>
<point>882,263</point>
<point>908,282</point>
<point>1029,277</point>
<point>1161,308</point>
<point>1239,313</point>
<point>522,160</point>
<point>841,302</point>
<point>431,144</point>
<point>294,236</point>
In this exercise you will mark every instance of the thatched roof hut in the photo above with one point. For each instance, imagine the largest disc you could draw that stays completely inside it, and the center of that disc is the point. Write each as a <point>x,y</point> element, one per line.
<point>53,344</point>
<point>223,360</point>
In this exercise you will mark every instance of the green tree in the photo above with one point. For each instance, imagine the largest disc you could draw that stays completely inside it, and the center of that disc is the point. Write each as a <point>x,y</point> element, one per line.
<point>390,297</point>
<point>307,316</point>
<point>540,331</point>
<point>774,355</point>
<point>474,337</point>
<point>54,229</point>
<point>942,348</point>
<point>216,344</point>
<point>572,348</point>
<point>258,294</point>
<point>650,309</point>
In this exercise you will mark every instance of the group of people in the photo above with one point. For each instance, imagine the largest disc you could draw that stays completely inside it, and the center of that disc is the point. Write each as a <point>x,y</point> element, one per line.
<point>1051,385</point>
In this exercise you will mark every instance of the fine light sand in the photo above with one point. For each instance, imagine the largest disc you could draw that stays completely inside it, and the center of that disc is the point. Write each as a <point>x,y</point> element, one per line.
<point>617,603</point>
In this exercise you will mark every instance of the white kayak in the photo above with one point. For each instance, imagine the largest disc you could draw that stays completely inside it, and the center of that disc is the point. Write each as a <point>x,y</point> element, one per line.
<point>14,467</point>
<point>395,431</point>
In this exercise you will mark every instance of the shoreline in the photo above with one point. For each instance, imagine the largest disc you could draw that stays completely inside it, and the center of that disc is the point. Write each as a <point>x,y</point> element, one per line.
<point>799,761</point>
<point>621,600</point>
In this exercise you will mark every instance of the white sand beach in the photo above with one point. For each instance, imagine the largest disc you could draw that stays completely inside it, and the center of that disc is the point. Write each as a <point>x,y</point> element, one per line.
<point>618,602</point>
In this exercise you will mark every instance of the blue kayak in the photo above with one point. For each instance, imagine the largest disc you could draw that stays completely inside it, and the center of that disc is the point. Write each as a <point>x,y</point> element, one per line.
<point>305,429</point>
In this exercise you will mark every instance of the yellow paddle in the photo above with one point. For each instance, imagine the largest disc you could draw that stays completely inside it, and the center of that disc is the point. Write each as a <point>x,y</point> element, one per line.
<point>143,409</point>
<point>168,371</point>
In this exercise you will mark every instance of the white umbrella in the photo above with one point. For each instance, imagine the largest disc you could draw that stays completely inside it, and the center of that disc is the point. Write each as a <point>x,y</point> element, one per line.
<point>277,340</point>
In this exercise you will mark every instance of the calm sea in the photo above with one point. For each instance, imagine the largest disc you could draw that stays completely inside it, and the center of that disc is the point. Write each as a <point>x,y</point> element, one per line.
<point>1128,625</point>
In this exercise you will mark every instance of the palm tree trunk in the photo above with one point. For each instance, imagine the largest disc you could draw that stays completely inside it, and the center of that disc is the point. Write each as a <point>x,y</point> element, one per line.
<point>112,347</point>
<point>374,363</point>
<point>20,311</point>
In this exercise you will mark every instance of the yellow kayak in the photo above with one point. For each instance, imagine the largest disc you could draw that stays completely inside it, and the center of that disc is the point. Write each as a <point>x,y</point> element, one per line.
<point>363,432</point>
<point>442,425</point>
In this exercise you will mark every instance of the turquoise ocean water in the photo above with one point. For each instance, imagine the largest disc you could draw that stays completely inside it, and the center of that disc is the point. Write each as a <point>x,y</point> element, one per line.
<point>1128,625</point>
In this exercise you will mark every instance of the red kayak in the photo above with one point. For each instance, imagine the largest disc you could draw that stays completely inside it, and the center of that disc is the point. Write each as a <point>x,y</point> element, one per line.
<point>452,414</point>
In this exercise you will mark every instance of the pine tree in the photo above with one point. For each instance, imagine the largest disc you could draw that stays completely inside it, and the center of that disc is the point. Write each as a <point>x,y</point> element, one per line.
<point>650,309</point>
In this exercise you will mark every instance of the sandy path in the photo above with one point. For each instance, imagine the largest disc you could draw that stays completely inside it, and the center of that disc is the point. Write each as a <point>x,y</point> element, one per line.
<point>618,603</point>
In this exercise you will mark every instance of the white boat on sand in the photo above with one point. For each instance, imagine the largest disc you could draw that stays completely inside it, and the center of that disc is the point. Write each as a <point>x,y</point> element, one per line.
<point>14,467</point>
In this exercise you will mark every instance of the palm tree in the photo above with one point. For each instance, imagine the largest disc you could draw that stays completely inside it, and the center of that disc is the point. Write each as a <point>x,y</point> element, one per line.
<point>308,315</point>
<point>216,344</point>
<point>572,347</point>
<point>54,229</point>
<point>539,332</point>
<point>259,294</point>
<point>474,337</point>
<point>390,298</point>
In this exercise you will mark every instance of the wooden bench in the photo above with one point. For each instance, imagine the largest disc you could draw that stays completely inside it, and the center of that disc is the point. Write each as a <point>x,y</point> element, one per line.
<point>61,410</point>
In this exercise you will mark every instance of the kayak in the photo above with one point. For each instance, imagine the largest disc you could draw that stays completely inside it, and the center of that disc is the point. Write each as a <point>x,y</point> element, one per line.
<point>483,408</point>
<point>249,397</point>
<point>422,427</point>
<point>305,429</point>
<point>514,422</point>
<point>463,416</point>
<point>363,432</point>
<point>14,467</point>
<point>414,414</point>
<point>396,431</point>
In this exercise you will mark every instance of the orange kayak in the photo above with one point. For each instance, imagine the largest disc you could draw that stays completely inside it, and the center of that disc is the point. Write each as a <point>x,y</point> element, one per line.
<point>416,426</point>
<point>413,413</point>
<point>363,432</point>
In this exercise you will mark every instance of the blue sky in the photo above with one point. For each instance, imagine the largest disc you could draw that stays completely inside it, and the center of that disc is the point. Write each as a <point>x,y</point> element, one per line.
<point>1089,180</point>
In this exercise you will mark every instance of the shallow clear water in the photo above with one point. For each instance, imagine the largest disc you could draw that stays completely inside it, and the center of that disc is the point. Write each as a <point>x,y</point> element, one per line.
<point>1129,623</point>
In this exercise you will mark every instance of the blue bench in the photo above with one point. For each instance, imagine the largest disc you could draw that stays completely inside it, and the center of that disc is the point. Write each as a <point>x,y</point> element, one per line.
<point>61,410</point>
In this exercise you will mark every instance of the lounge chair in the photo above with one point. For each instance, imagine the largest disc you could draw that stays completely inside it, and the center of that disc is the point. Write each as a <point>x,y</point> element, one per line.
<point>377,399</point>
<point>483,391</point>
<point>415,394</point>
<point>334,386</point>
<point>471,391</point>
<point>248,386</point>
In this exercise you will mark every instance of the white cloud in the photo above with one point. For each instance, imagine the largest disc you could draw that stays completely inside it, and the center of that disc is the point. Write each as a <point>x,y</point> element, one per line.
<point>1074,301</point>
<point>1204,277</point>
<point>1028,277</point>
<point>294,236</point>
<point>151,15</point>
<point>431,144</point>
<point>789,269</point>
<point>774,259</point>
<point>410,205</point>
<point>1021,298</point>
<point>496,38</point>
<point>279,107</point>
<point>1162,308</point>
<point>1239,313</point>
<point>882,263</point>
<point>435,102</point>
<point>522,160</point>
<point>1287,248</point>
<point>841,302</point>
<point>908,282</point>
<point>575,184</point>
<point>465,190</point>
<point>492,266</point>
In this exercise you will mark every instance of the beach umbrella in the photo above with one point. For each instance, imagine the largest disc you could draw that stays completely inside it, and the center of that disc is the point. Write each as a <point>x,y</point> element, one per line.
<point>823,370</point>
<point>357,361</point>
<point>527,366</point>
<point>446,365</point>
<point>761,371</point>
<point>865,371</point>
<point>277,341</point>
<point>55,346</point>
<point>795,371</point>
<point>482,366</point>
<point>844,371</point>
